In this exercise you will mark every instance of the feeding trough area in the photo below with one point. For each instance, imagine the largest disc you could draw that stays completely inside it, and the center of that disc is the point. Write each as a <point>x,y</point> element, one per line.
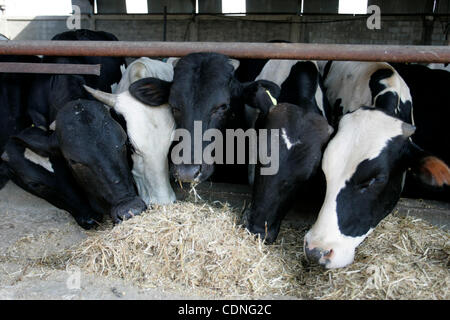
<point>200,248</point>
<point>197,249</point>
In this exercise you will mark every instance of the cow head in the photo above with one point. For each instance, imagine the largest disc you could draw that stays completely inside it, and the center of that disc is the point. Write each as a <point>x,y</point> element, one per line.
<point>303,133</point>
<point>364,165</point>
<point>204,90</point>
<point>94,146</point>
<point>150,128</point>
<point>34,163</point>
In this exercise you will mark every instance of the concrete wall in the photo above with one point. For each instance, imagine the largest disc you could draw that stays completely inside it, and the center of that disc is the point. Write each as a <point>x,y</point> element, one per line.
<point>321,6</point>
<point>157,6</point>
<point>109,6</point>
<point>406,30</point>
<point>277,6</point>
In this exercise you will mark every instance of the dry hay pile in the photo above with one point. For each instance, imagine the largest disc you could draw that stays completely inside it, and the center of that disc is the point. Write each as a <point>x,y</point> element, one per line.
<point>199,249</point>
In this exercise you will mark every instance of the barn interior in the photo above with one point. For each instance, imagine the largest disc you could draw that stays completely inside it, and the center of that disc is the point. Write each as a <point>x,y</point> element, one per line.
<point>26,218</point>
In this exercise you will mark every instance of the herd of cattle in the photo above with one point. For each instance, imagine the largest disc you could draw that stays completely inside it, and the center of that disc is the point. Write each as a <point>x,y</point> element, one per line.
<point>353,135</point>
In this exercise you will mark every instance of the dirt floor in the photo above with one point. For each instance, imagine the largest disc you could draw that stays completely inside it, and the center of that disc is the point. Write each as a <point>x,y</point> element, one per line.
<point>31,228</point>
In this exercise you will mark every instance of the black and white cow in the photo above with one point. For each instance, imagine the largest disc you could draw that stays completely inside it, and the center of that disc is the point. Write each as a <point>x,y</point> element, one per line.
<point>81,167</point>
<point>304,130</point>
<point>204,89</point>
<point>430,97</point>
<point>365,162</point>
<point>303,134</point>
<point>150,128</point>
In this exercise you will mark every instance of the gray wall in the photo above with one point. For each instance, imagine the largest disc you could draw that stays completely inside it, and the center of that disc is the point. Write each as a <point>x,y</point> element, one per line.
<point>178,6</point>
<point>111,6</point>
<point>406,30</point>
<point>277,6</point>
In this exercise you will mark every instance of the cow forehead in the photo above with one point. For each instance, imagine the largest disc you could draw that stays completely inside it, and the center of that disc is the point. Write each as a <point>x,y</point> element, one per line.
<point>278,70</point>
<point>362,135</point>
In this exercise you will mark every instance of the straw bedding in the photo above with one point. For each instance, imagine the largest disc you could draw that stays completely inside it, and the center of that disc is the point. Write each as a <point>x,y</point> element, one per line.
<point>198,248</point>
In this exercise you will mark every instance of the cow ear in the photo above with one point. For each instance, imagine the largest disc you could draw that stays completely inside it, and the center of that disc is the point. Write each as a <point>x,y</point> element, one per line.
<point>272,87</point>
<point>151,91</point>
<point>137,71</point>
<point>261,94</point>
<point>37,140</point>
<point>173,61</point>
<point>430,169</point>
<point>37,118</point>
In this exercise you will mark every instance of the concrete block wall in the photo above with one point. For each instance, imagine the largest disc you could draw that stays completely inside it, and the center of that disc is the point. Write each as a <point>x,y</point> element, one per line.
<point>402,30</point>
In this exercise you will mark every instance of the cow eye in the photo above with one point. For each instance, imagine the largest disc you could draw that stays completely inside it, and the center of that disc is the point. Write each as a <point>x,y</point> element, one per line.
<point>371,182</point>
<point>176,112</point>
<point>73,162</point>
<point>222,108</point>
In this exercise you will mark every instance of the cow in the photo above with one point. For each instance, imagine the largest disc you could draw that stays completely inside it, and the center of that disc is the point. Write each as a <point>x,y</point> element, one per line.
<point>204,89</point>
<point>293,77</point>
<point>50,92</point>
<point>14,117</point>
<point>303,134</point>
<point>80,167</point>
<point>366,161</point>
<point>304,131</point>
<point>150,128</point>
<point>430,97</point>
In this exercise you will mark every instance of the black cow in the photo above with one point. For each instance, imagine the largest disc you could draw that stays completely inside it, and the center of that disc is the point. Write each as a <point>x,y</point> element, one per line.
<point>204,89</point>
<point>304,130</point>
<point>49,93</point>
<point>81,167</point>
<point>431,98</point>
<point>303,134</point>
<point>13,101</point>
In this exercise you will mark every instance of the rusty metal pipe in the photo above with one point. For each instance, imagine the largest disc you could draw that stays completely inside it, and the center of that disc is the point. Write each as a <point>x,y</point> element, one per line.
<point>50,68</point>
<point>306,51</point>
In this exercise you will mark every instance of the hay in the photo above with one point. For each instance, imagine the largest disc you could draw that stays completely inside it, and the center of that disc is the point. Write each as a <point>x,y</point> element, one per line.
<point>199,249</point>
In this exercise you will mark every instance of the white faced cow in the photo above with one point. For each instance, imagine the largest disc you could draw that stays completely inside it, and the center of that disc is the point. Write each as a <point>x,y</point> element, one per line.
<point>365,162</point>
<point>150,128</point>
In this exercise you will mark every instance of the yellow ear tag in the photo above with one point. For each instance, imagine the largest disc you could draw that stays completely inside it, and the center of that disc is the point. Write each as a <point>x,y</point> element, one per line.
<point>274,101</point>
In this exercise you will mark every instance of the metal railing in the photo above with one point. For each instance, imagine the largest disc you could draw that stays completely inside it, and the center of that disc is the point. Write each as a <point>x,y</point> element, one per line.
<point>297,51</point>
<point>301,51</point>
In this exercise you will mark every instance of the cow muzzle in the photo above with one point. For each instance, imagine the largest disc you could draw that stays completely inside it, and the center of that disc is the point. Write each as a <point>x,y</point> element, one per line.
<point>329,256</point>
<point>266,232</point>
<point>192,173</point>
<point>318,255</point>
<point>128,209</point>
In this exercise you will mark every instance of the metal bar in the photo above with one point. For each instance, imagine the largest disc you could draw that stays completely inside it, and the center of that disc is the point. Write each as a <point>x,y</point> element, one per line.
<point>50,68</point>
<point>306,51</point>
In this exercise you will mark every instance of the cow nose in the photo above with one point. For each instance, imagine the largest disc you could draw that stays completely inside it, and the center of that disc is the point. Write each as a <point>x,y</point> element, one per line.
<point>317,255</point>
<point>187,173</point>
<point>128,209</point>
